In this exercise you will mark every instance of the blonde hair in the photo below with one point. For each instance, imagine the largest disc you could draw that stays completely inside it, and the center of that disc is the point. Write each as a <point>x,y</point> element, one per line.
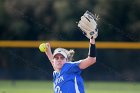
<point>70,54</point>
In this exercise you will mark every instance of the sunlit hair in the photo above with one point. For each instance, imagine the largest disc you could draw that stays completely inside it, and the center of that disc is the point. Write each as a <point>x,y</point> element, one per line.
<point>70,54</point>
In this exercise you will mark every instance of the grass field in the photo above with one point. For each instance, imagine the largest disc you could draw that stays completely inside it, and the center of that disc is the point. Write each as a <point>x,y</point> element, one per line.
<point>47,87</point>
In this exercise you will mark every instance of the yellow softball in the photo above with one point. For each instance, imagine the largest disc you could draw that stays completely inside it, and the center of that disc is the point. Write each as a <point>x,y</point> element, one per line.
<point>43,47</point>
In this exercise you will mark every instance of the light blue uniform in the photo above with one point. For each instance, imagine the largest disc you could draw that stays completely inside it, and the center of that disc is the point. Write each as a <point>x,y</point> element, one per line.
<point>69,79</point>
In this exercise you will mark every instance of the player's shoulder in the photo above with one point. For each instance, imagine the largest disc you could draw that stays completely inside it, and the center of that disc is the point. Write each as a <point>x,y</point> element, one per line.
<point>74,62</point>
<point>74,65</point>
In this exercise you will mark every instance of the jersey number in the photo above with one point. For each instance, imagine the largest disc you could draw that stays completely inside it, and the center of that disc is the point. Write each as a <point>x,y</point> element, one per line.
<point>57,90</point>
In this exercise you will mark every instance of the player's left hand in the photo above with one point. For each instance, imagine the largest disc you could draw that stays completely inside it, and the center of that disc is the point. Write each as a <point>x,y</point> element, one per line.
<point>88,25</point>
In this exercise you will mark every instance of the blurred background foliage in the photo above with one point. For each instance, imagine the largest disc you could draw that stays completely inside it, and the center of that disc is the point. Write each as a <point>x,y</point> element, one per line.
<point>56,19</point>
<point>47,20</point>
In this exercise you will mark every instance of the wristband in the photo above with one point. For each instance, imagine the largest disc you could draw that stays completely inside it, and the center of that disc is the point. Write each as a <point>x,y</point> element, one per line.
<point>92,50</point>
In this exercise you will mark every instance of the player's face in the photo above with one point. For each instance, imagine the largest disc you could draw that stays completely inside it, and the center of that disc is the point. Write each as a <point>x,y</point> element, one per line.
<point>59,61</point>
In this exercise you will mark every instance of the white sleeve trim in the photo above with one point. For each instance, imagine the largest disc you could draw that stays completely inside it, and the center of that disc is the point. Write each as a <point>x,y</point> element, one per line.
<point>75,62</point>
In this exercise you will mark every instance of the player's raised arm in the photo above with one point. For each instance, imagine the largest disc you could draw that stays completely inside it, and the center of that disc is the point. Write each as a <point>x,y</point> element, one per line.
<point>49,52</point>
<point>88,26</point>
<point>45,47</point>
<point>91,59</point>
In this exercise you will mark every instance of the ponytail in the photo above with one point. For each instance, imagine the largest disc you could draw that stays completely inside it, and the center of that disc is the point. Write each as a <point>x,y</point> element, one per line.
<point>70,55</point>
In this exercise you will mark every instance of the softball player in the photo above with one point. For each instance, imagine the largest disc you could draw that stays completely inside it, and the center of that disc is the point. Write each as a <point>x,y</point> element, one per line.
<point>67,74</point>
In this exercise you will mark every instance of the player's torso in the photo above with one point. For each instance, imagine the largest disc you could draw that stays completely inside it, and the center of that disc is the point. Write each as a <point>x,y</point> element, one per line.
<point>68,81</point>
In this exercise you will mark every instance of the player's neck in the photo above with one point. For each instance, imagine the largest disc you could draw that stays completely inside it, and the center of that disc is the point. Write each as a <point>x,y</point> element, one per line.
<point>57,70</point>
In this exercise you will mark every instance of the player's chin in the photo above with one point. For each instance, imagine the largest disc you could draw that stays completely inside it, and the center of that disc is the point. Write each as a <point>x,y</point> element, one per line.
<point>58,65</point>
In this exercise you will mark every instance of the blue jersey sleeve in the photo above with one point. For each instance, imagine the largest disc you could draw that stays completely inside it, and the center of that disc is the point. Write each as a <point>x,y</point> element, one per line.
<point>74,67</point>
